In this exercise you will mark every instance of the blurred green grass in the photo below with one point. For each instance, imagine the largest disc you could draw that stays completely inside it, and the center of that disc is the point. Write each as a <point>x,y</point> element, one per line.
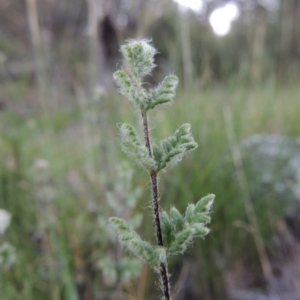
<point>80,143</point>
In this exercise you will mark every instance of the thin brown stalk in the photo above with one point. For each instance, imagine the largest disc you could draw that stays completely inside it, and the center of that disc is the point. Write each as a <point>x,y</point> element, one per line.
<point>155,199</point>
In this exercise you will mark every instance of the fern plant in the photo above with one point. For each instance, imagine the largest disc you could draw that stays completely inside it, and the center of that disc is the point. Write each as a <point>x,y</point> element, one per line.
<point>174,231</point>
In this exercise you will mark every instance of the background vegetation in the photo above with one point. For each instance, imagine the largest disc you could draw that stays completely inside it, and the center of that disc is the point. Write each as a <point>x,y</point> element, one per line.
<point>59,152</point>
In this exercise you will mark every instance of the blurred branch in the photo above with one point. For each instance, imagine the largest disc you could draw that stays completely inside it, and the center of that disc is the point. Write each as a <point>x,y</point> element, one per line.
<point>186,49</point>
<point>35,33</point>
<point>245,193</point>
<point>258,48</point>
<point>237,294</point>
<point>93,45</point>
<point>149,13</point>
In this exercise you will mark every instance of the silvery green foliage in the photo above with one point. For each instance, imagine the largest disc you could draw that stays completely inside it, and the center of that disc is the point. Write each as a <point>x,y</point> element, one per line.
<point>128,269</point>
<point>7,251</point>
<point>5,218</point>
<point>138,62</point>
<point>122,200</point>
<point>173,148</point>
<point>138,57</point>
<point>7,256</point>
<point>180,230</point>
<point>164,93</point>
<point>43,189</point>
<point>174,231</point>
<point>137,246</point>
<point>134,148</point>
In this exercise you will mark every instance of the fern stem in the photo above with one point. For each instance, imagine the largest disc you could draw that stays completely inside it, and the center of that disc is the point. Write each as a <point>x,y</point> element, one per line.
<point>155,199</point>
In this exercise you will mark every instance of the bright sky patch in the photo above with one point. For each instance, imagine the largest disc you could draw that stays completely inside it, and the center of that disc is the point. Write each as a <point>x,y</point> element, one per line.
<point>195,5</point>
<point>221,18</point>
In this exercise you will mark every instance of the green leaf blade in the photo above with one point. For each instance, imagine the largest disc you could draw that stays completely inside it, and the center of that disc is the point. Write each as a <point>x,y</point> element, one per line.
<point>205,204</point>
<point>164,93</point>
<point>200,230</point>
<point>177,219</point>
<point>167,229</point>
<point>200,218</point>
<point>134,243</point>
<point>189,213</point>
<point>176,146</point>
<point>139,57</point>
<point>181,242</point>
<point>132,146</point>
